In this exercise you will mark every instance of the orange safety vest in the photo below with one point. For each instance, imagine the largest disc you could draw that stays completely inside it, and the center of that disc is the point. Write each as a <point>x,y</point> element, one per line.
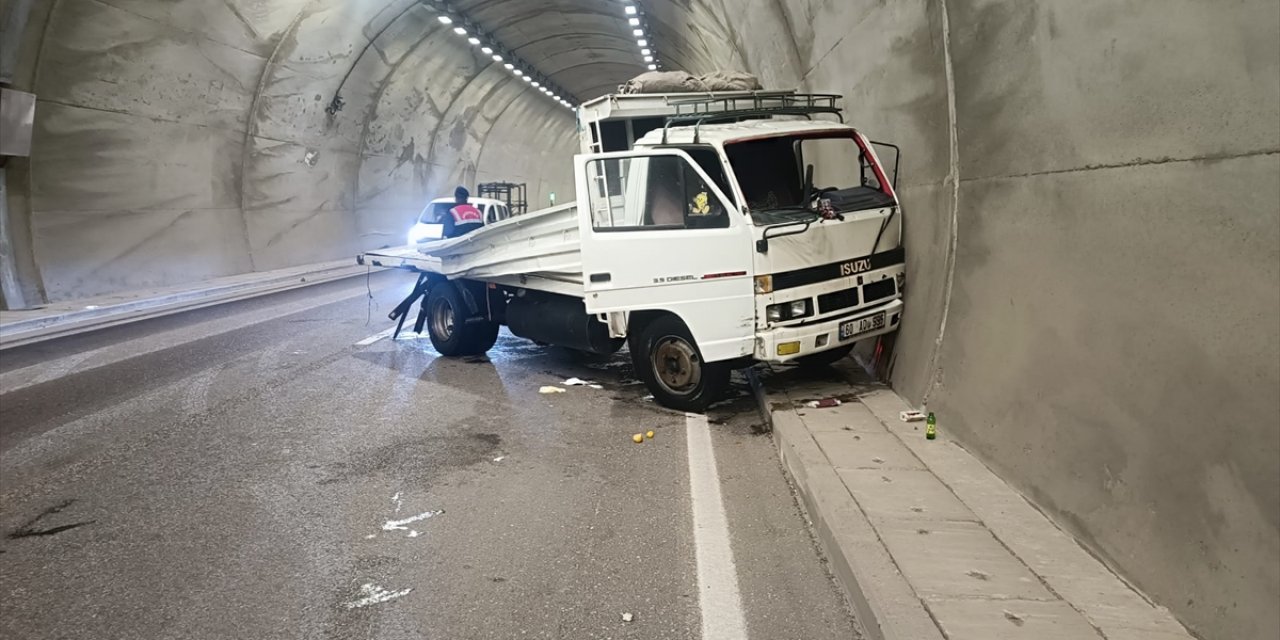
<point>466,214</point>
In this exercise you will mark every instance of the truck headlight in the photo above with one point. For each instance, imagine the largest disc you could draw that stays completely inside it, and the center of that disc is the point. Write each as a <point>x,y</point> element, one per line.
<point>788,310</point>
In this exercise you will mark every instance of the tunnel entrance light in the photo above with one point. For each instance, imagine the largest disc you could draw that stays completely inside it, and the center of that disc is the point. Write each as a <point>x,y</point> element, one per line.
<point>486,50</point>
<point>445,20</point>
<point>509,66</point>
<point>638,32</point>
<point>646,52</point>
<point>460,31</point>
<point>648,58</point>
<point>653,67</point>
<point>473,40</point>
<point>497,58</point>
<point>635,22</point>
<point>630,10</point>
<point>642,42</point>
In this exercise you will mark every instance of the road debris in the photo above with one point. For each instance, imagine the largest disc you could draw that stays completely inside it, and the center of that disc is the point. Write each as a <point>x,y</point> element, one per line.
<point>824,403</point>
<point>499,458</point>
<point>373,594</point>
<point>399,525</point>
<point>911,416</point>
<point>627,617</point>
<point>398,501</point>
<point>550,390</point>
<point>579,382</point>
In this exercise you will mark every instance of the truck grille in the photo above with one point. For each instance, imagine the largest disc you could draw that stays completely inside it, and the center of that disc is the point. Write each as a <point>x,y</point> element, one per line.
<point>837,300</point>
<point>878,290</point>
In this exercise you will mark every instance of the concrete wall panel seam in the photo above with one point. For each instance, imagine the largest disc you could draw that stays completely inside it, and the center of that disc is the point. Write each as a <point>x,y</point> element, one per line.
<point>251,118</point>
<point>953,176</point>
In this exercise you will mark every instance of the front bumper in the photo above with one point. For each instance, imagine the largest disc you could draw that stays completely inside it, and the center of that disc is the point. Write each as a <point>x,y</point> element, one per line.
<point>823,336</point>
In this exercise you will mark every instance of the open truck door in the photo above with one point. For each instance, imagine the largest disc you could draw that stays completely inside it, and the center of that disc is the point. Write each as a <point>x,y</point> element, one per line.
<point>659,235</point>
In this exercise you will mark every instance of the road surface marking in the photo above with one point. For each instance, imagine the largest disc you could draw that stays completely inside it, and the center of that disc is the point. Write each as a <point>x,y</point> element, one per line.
<point>717,576</point>
<point>376,337</point>
<point>393,525</point>
<point>373,594</point>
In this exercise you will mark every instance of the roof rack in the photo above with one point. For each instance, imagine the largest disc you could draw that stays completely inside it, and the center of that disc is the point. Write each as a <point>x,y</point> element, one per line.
<point>760,104</point>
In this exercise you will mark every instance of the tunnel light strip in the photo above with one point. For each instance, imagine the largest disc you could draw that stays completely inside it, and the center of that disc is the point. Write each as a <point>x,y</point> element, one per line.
<point>490,46</point>
<point>639,28</point>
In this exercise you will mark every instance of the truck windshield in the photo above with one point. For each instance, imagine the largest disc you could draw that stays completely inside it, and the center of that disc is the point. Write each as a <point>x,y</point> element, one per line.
<point>771,174</point>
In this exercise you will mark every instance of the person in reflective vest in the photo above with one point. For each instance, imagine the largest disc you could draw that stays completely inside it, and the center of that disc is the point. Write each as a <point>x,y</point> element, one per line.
<point>463,218</point>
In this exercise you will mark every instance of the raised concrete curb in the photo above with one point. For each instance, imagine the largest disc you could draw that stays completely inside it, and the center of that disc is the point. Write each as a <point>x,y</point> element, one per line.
<point>928,543</point>
<point>57,320</point>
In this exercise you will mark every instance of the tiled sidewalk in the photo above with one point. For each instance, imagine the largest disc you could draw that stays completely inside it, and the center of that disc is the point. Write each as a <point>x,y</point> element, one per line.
<point>928,541</point>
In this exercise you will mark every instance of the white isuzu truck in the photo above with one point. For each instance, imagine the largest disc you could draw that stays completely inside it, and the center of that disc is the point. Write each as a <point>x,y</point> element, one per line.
<point>710,232</point>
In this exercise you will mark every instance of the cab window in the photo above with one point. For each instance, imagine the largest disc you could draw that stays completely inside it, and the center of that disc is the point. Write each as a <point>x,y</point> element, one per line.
<point>650,193</point>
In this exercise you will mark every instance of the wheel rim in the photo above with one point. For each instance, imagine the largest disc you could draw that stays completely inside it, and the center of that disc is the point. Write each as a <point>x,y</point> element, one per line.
<point>442,320</point>
<point>676,365</point>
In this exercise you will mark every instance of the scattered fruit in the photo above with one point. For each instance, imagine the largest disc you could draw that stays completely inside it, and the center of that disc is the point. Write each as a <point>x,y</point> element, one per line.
<point>637,438</point>
<point>649,435</point>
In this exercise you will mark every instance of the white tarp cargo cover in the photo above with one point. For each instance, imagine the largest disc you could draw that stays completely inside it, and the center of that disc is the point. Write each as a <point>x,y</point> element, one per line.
<point>682,82</point>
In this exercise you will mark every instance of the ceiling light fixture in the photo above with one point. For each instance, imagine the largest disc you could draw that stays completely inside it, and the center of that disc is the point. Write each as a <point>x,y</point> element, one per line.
<point>477,37</point>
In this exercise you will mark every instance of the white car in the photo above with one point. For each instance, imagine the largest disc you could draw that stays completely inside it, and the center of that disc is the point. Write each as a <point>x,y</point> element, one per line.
<point>429,225</point>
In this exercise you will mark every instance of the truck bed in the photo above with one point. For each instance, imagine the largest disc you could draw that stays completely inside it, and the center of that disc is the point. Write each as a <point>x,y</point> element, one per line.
<point>538,250</point>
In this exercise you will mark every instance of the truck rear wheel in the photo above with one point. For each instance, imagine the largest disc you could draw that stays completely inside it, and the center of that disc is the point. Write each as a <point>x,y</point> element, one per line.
<point>667,359</point>
<point>447,325</point>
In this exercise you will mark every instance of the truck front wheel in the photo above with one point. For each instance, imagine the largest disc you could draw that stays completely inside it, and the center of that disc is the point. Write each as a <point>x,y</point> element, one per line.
<point>451,333</point>
<point>667,359</point>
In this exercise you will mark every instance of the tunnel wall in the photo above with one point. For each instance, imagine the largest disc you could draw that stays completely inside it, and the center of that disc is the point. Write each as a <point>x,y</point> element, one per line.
<point>186,140</point>
<point>1109,175</point>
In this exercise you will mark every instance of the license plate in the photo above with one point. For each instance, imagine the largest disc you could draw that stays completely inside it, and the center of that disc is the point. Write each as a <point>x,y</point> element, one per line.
<point>861,325</point>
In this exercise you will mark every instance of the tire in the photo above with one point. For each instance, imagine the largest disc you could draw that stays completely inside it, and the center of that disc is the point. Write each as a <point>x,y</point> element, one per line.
<point>450,333</point>
<point>668,361</point>
<point>825,358</point>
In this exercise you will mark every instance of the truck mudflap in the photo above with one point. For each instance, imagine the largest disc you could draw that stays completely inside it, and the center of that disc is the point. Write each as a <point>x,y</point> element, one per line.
<point>784,344</point>
<point>472,292</point>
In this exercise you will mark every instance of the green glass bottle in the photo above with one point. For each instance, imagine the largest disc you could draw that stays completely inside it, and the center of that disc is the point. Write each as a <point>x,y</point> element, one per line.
<point>930,427</point>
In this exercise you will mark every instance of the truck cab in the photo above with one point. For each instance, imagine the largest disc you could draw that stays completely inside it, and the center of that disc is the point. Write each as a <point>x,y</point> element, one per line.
<point>772,236</point>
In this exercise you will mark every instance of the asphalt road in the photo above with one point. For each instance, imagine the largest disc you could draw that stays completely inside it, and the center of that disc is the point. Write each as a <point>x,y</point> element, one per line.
<point>268,469</point>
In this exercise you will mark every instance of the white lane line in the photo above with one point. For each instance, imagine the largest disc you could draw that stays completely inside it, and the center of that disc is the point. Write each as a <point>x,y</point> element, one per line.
<point>718,596</point>
<point>376,337</point>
